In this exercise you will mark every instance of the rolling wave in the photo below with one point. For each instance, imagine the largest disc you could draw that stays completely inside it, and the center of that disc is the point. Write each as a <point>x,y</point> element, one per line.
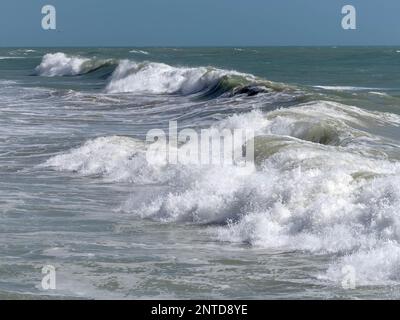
<point>160,78</point>
<point>60,64</point>
<point>139,52</point>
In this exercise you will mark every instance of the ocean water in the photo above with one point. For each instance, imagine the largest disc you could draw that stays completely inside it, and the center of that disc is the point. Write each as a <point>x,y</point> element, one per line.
<point>77,193</point>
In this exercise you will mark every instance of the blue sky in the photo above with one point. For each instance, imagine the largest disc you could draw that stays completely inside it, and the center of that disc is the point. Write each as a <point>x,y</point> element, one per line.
<point>199,23</point>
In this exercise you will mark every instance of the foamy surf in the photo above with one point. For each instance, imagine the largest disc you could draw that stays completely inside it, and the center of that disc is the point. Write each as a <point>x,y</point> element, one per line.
<point>320,194</point>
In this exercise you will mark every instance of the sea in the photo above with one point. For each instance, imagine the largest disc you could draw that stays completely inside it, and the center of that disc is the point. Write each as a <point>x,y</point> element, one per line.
<point>315,216</point>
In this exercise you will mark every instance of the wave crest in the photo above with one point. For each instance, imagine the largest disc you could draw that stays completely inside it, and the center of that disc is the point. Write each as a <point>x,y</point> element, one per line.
<point>60,64</point>
<point>160,78</point>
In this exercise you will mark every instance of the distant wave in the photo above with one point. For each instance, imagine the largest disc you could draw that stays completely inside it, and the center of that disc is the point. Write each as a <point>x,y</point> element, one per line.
<point>6,58</point>
<point>61,64</point>
<point>157,78</point>
<point>160,78</point>
<point>140,52</point>
<point>345,88</point>
<point>22,51</point>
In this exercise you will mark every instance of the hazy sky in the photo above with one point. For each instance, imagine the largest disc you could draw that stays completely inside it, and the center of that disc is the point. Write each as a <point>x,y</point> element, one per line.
<point>199,22</point>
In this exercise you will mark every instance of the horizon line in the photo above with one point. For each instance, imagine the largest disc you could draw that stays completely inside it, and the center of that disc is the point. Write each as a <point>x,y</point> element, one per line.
<point>207,46</point>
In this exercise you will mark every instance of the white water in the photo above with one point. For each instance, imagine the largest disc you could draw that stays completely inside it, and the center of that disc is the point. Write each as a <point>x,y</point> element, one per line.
<point>59,64</point>
<point>339,198</point>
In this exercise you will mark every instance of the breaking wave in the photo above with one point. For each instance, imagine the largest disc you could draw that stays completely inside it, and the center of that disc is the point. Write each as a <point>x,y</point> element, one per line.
<point>321,183</point>
<point>139,52</point>
<point>60,64</point>
<point>160,78</point>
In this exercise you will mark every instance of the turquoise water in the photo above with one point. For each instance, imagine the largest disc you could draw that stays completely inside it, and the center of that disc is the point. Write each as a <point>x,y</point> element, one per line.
<point>77,193</point>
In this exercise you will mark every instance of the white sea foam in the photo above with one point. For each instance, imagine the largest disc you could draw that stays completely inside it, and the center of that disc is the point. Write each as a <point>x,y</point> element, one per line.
<point>7,82</point>
<point>59,64</point>
<point>325,198</point>
<point>106,156</point>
